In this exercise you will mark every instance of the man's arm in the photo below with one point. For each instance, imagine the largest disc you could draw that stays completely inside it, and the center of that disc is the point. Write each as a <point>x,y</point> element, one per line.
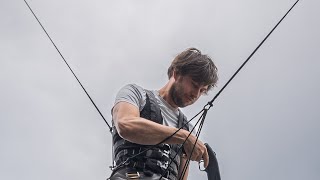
<point>133,128</point>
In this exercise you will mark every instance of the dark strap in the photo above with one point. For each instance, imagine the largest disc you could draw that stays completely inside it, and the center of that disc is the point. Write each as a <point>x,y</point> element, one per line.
<point>153,109</point>
<point>212,170</point>
<point>155,166</point>
<point>122,173</point>
<point>152,153</point>
<point>182,120</point>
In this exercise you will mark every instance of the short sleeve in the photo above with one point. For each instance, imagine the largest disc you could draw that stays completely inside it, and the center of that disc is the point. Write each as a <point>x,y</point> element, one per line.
<point>132,94</point>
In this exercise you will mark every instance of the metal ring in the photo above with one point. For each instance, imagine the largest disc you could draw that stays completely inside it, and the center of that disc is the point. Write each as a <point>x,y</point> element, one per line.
<point>201,161</point>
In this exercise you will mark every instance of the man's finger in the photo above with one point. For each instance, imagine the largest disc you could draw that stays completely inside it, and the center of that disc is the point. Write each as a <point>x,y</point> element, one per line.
<point>205,157</point>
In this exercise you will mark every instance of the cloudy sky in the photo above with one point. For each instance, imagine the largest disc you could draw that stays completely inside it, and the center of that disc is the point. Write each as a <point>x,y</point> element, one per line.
<point>265,125</point>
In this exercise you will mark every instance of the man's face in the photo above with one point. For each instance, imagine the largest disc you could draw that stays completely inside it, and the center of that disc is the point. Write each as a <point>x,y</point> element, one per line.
<point>185,91</point>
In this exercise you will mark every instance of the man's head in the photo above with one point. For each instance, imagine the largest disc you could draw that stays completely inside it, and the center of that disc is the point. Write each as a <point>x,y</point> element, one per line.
<point>194,73</point>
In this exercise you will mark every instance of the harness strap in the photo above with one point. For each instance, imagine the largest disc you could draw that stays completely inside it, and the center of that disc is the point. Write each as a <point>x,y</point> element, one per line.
<point>154,154</point>
<point>181,121</point>
<point>155,166</point>
<point>154,111</point>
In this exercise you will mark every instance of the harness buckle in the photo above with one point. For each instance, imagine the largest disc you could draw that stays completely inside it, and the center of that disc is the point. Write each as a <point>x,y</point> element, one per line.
<point>133,175</point>
<point>163,165</point>
<point>166,150</point>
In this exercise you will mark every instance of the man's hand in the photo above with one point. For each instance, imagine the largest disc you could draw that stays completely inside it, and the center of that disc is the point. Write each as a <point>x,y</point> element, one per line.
<point>200,151</point>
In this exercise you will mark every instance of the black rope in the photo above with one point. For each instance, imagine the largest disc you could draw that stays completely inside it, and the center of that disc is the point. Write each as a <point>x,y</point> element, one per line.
<point>210,103</point>
<point>215,97</point>
<point>203,113</point>
<point>185,167</point>
<point>110,128</point>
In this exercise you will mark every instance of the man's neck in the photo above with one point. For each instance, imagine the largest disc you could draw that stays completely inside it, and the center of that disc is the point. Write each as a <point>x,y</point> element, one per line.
<point>164,92</point>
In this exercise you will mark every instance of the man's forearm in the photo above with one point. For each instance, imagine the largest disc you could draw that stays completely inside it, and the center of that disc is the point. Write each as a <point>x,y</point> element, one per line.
<point>142,131</point>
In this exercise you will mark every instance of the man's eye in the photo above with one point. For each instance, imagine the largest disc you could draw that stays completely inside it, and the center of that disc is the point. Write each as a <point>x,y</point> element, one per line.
<point>203,91</point>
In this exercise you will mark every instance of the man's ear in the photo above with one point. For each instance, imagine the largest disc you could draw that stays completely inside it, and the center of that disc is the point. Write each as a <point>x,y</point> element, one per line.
<point>174,74</point>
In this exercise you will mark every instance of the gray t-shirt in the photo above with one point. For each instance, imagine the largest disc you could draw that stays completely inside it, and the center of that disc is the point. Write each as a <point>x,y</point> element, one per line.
<point>136,96</point>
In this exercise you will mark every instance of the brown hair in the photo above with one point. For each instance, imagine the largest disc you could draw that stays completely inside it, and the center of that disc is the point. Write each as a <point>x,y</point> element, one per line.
<point>198,66</point>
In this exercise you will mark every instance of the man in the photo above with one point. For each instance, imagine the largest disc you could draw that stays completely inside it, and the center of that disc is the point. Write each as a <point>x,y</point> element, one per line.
<point>143,118</point>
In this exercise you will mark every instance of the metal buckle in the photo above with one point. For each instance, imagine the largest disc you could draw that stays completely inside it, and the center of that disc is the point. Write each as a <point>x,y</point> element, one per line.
<point>163,165</point>
<point>133,175</point>
<point>167,147</point>
<point>166,150</point>
<point>201,162</point>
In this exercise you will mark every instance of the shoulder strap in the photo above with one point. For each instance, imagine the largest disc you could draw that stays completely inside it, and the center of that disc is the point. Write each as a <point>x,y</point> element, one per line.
<point>182,119</point>
<point>151,110</point>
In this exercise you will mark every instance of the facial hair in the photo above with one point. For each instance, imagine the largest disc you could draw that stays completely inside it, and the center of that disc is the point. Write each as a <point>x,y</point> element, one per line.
<point>176,95</point>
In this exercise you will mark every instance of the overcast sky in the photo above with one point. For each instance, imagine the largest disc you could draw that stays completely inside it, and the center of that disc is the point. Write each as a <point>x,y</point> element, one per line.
<point>265,125</point>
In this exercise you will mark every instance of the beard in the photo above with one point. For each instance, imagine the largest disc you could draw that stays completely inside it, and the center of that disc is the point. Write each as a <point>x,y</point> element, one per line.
<point>176,94</point>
